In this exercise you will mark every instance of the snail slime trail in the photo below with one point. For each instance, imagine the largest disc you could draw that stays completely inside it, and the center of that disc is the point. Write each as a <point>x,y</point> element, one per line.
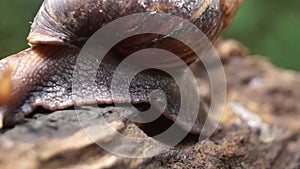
<point>42,76</point>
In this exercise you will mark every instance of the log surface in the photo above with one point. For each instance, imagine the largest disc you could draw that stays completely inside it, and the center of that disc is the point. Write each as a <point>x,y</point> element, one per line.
<point>259,128</point>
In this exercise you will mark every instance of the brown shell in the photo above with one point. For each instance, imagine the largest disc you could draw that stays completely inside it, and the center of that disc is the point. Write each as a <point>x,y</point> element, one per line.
<point>61,22</point>
<point>42,75</point>
<point>72,22</point>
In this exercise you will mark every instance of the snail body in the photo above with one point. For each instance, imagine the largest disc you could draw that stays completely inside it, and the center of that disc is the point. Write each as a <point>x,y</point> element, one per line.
<point>41,76</point>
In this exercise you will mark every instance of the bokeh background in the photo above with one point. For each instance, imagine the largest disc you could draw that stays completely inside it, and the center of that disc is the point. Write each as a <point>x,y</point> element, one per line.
<point>268,28</point>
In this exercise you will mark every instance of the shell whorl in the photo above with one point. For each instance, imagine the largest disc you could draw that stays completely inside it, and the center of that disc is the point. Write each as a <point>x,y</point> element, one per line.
<point>69,22</point>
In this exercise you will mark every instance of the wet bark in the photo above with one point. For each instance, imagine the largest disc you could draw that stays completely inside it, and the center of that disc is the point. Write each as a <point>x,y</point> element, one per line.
<point>259,128</point>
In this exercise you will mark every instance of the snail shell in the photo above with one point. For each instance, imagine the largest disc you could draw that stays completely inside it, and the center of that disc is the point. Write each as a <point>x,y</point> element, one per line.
<point>41,76</point>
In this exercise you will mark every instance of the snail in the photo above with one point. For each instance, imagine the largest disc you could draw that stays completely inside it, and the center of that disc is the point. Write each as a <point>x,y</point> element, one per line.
<point>41,76</point>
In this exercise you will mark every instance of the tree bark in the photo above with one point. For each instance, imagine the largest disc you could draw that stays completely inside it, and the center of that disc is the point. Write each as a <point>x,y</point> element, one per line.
<point>259,129</point>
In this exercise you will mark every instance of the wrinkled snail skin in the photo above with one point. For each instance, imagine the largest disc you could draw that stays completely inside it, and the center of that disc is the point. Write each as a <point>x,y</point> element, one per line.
<point>41,76</point>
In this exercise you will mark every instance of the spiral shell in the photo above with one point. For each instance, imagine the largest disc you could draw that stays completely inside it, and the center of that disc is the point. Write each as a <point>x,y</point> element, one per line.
<point>72,22</point>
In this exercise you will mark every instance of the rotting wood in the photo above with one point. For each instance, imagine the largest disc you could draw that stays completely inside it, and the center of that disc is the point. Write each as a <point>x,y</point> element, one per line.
<point>57,141</point>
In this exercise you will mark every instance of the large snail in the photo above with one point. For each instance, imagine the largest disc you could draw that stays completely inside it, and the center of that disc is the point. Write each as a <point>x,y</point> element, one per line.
<point>41,75</point>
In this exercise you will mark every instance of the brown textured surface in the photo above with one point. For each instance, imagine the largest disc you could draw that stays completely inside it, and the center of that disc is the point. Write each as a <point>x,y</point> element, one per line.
<point>48,82</point>
<point>55,140</point>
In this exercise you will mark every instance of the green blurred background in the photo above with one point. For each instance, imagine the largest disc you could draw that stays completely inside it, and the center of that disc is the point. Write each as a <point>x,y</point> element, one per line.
<point>267,28</point>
